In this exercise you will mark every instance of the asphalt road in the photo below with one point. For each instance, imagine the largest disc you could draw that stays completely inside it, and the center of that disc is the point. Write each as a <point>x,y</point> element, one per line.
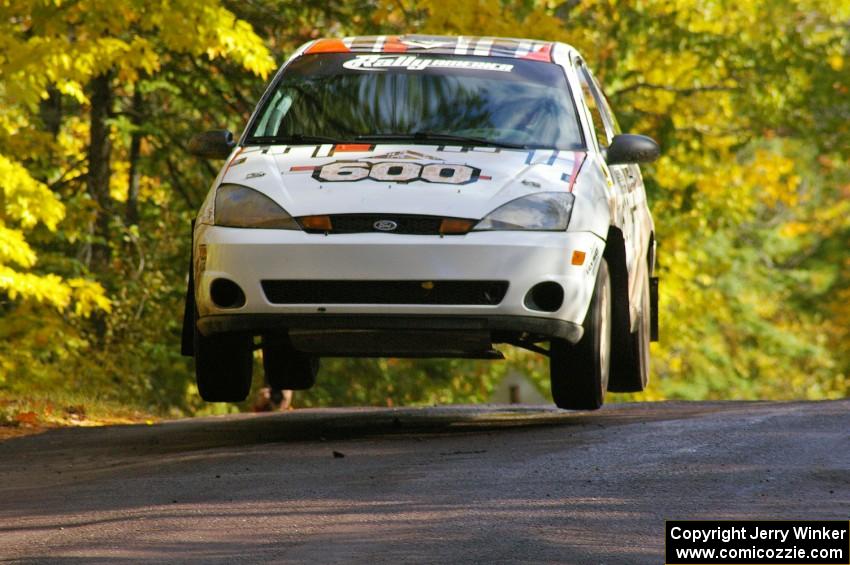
<point>437,485</point>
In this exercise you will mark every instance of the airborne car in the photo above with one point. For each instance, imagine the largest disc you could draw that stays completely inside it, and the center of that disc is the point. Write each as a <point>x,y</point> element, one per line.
<point>421,196</point>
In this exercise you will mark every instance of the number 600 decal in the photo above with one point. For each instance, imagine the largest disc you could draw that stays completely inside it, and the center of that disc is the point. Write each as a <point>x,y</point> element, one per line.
<point>349,171</point>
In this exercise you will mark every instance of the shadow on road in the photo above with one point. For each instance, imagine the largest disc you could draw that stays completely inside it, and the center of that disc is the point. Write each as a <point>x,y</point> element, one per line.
<point>342,424</point>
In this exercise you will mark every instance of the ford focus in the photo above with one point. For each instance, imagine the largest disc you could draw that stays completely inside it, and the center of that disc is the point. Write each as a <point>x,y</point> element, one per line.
<point>420,196</point>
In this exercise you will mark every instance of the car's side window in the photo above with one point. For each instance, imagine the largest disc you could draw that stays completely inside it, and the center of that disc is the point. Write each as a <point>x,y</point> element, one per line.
<point>604,124</point>
<point>604,106</point>
<point>277,108</point>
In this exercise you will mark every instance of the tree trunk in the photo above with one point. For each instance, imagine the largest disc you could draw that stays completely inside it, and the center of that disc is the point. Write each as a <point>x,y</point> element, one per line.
<point>100,149</point>
<point>132,214</point>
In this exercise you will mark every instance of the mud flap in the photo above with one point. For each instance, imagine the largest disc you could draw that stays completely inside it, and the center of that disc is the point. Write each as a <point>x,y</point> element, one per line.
<point>653,308</point>
<point>187,338</point>
<point>623,367</point>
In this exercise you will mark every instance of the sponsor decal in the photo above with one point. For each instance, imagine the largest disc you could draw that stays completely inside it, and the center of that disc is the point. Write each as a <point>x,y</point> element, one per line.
<point>594,258</point>
<point>389,171</point>
<point>416,63</point>
<point>487,46</point>
<point>577,163</point>
<point>352,148</point>
<point>405,155</point>
<point>235,159</point>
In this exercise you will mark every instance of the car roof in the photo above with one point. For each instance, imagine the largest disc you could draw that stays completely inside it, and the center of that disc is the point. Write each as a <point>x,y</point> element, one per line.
<point>531,49</point>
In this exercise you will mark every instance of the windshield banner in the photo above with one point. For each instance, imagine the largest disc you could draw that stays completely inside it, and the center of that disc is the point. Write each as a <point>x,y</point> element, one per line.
<point>415,63</point>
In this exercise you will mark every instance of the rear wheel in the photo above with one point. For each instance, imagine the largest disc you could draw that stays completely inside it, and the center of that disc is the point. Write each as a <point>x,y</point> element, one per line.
<point>286,368</point>
<point>223,366</point>
<point>579,373</point>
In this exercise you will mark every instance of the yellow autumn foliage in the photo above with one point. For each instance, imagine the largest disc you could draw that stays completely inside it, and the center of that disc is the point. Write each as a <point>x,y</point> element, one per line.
<point>62,45</point>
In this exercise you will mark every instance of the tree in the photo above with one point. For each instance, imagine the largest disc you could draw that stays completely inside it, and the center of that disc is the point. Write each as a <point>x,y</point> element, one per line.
<point>81,56</point>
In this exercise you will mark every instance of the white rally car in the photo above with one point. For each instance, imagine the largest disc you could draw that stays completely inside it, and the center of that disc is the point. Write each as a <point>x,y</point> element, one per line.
<point>421,196</point>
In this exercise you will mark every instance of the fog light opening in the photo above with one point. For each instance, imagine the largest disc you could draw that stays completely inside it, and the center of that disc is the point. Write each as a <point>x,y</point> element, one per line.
<point>226,294</point>
<point>545,297</point>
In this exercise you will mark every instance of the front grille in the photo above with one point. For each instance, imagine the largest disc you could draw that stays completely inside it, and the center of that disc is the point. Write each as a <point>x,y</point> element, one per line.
<point>411,225</point>
<point>476,293</point>
<point>407,224</point>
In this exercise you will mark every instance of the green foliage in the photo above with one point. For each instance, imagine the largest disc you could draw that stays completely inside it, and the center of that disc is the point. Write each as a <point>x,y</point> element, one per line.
<point>751,197</point>
<point>398,382</point>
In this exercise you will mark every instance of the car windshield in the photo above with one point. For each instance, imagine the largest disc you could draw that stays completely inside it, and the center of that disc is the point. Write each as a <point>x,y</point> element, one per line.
<point>446,100</point>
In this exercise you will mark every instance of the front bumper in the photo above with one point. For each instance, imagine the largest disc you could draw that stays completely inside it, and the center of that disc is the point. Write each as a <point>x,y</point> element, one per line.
<point>496,325</point>
<point>523,259</point>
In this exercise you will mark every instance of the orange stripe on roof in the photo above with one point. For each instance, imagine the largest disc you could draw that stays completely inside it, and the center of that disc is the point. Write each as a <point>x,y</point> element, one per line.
<point>393,44</point>
<point>328,46</point>
<point>542,54</point>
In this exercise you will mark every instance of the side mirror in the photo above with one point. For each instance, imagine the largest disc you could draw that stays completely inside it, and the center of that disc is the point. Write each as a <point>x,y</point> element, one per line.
<point>628,148</point>
<point>213,144</point>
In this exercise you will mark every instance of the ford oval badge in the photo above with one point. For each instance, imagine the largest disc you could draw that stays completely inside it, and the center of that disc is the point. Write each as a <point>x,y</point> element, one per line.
<point>385,225</point>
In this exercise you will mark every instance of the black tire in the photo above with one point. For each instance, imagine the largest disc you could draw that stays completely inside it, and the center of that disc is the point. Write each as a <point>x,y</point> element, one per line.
<point>224,364</point>
<point>286,368</point>
<point>579,373</point>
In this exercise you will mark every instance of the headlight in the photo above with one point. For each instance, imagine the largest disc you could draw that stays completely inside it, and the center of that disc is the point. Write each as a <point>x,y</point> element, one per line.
<point>543,211</point>
<point>242,207</point>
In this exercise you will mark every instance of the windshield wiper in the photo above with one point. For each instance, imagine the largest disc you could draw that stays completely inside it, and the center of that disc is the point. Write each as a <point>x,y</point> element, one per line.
<point>435,136</point>
<point>296,139</point>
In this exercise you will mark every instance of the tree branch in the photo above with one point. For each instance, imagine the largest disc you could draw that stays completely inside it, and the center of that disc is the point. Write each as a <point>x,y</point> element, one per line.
<point>178,184</point>
<point>677,90</point>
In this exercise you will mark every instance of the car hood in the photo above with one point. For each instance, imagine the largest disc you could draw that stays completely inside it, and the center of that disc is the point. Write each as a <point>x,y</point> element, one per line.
<point>461,182</point>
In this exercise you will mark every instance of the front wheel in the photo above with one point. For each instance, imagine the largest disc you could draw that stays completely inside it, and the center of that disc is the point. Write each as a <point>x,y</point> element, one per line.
<point>579,373</point>
<point>286,368</point>
<point>223,366</point>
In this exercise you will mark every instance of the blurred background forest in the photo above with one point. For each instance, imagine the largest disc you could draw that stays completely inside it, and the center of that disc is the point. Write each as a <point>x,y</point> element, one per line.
<point>749,99</point>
